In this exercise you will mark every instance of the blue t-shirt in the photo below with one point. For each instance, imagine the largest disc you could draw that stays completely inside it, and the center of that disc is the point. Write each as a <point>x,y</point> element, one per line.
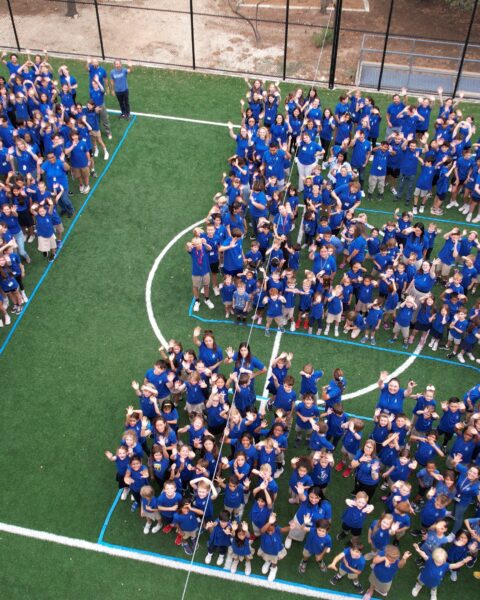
<point>431,575</point>
<point>119,78</point>
<point>383,572</point>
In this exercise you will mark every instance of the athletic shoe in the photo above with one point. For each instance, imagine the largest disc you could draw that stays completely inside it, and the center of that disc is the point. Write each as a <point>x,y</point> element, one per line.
<point>209,303</point>
<point>373,342</point>
<point>7,319</point>
<point>178,539</point>
<point>208,558</point>
<point>220,559</point>
<point>334,580</point>
<point>452,203</point>
<point>109,136</point>
<point>157,527</point>
<point>1,323</point>
<point>288,543</point>
<point>81,188</point>
<point>292,326</point>
<point>302,567</point>
<point>216,291</point>
<point>322,566</point>
<point>415,210</point>
<point>95,153</point>
<point>86,189</point>
<point>363,340</point>
<point>196,306</point>
<point>460,358</point>
<point>347,473</point>
<point>248,568</point>
<point>470,356</point>
<point>267,332</point>
<point>134,506</point>
<point>30,239</point>
<point>124,495</point>
<point>272,574</point>
<point>277,473</point>
<point>167,528</point>
<point>421,209</point>
<point>187,548</point>
<point>266,567</point>
<point>146,529</point>
<point>358,586</point>
<point>340,466</point>
<point>469,217</point>
<point>106,155</point>
<point>476,219</point>
<point>416,590</point>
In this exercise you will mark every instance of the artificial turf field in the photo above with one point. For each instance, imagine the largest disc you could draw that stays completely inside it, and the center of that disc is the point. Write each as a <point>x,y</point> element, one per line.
<point>67,367</point>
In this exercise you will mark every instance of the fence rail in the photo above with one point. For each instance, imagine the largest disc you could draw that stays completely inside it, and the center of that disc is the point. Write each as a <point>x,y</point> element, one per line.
<point>280,39</point>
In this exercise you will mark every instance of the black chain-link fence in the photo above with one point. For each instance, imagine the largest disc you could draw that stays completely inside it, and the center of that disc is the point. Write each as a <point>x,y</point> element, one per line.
<point>379,44</point>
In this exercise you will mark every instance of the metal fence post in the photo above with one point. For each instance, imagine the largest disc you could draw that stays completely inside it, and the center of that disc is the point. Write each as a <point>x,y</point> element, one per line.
<point>467,41</point>
<point>336,36</point>
<point>13,25</point>
<point>192,32</point>
<point>99,29</point>
<point>285,49</point>
<point>387,35</point>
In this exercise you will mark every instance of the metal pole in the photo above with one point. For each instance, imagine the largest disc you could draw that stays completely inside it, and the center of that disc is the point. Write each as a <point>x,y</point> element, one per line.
<point>13,25</point>
<point>285,49</point>
<point>467,40</point>
<point>387,35</point>
<point>99,29</point>
<point>336,36</point>
<point>192,31</point>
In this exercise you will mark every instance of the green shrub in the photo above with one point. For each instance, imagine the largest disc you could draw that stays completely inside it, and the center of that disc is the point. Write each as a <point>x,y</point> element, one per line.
<point>319,36</point>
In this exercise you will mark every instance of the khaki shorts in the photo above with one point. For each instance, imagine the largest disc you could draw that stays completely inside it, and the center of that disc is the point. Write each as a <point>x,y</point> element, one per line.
<point>296,532</point>
<point>443,269</point>
<point>334,318</point>
<point>200,281</point>
<point>95,135</point>
<point>288,313</point>
<point>342,573</point>
<point>196,408</point>
<point>189,535</point>
<point>59,228</point>
<point>361,306</point>
<point>379,586</point>
<point>153,516</point>
<point>421,193</point>
<point>273,558</point>
<point>76,172</point>
<point>47,244</point>
<point>405,331</point>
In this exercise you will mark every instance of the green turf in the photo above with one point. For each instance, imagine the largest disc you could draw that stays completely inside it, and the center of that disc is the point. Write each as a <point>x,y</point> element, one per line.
<point>86,335</point>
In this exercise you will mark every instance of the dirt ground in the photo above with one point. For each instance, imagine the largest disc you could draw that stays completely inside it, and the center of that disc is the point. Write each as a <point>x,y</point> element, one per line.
<point>239,36</point>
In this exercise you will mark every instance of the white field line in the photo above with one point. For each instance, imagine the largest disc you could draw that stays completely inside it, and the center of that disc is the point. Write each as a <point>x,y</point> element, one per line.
<point>179,565</point>
<point>275,349</point>
<point>171,118</point>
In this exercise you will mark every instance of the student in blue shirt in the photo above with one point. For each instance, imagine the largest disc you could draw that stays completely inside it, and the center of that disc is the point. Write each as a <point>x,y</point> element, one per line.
<point>136,476</point>
<point>362,150</point>
<point>352,564</point>
<point>434,570</point>
<point>403,321</point>
<point>393,110</point>
<point>408,170</point>
<point>385,565</point>
<point>272,549</point>
<point>424,183</point>
<point>318,543</point>
<point>197,249</point>
<point>118,77</point>
<point>378,171</point>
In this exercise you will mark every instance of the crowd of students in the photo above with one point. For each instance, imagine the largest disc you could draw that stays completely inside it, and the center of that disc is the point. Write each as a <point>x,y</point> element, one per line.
<point>49,142</point>
<point>218,473</point>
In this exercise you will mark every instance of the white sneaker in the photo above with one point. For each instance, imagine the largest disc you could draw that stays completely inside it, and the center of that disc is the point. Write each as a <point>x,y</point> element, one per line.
<point>476,219</point>
<point>95,152</point>
<point>196,306</point>
<point>8,320</point>
<point>220,559</point>
<point>272,574</point>
<point>157,527</point>
<point>292,326</point>
<point>106,155</point>
<point>208,559</point>
<point>421,209</point>
<point>24,296</point>
<point>464,209</point>
<point>109,136</point>
<point>248,567</point>
<point>30,239</point>
<point>288,543</point>
<point>266,567</point>
<point>433,594</point>
<point>216,291</point>
<point>86,189</point>
<point>81,189</point>
<point>336,334</point>
<point>146,529</point>
<point>228,562</point>
<point>209,303</point>
<point>452,203</point>
<point>233,568</point>
<point>469,217</point>
<point>124,495</point>
<point>415,210</point>
<point>460,358</point>
<point>1,323</point>
<point>416,590</point>
<point>277,473</point>
<point>470,356</point>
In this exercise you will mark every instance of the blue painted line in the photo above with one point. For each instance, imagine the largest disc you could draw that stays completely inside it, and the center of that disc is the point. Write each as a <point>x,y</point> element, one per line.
<point>220,569</point>
<point>108,517</point>
<point>337,341</point>
<point>430,217</point>
<point>69,231</point>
